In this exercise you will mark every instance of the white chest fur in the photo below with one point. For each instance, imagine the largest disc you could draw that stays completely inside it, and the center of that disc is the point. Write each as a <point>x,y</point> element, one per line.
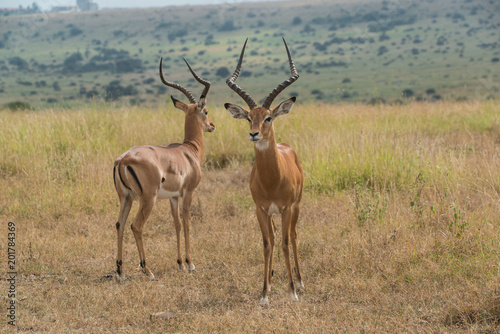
<point>273,210</point>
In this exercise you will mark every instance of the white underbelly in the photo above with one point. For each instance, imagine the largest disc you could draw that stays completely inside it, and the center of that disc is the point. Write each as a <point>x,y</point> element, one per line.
<point>162,194</point>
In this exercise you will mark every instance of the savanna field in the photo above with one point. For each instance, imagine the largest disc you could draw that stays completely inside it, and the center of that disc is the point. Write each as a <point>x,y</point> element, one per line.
<point>399,228</point>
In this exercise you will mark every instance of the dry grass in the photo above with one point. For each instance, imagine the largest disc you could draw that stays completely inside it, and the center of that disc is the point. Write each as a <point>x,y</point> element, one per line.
<point>399,229</point>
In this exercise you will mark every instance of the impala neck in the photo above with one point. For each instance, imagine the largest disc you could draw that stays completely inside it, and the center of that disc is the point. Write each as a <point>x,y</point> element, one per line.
<point>268,161</point>
<point>193,136</point>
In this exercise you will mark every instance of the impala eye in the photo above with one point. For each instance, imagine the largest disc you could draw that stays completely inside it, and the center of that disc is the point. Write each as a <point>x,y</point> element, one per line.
<point>268,119</point>
<point>249,120</point>
<point>206,112</point>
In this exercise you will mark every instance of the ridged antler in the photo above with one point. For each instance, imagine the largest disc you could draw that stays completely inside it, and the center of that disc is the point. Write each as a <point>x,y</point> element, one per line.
<point>235,87</point>
<point>176,85</point>
<point>204,82</point>
<point>294,76</point>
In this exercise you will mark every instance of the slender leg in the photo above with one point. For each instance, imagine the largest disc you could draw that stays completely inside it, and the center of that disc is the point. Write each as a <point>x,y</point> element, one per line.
<point>286,217</point>
<point>265,228</point>
<point>145,208</point>
<point>271,239</point>
<point>125,206</point>
<point>186,215</point>
<point>293,236</point>
<point>174,206</point>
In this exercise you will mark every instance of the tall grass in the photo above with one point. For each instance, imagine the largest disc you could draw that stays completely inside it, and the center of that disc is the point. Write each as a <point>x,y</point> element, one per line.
<point>67,155</point>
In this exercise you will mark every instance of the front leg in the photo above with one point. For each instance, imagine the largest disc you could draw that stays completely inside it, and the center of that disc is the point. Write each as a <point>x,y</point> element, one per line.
<point>286,217</point>
<point>186,216</point>
<point>174,206</point>
<point>266,230</point>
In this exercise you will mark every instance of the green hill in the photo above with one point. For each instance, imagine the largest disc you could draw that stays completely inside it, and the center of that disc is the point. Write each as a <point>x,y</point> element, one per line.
<point>357,51</point>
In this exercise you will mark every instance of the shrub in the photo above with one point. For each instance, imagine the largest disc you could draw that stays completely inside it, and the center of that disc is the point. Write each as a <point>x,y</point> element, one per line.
<point>346,80</point>
<point>19,62</point>
<point>407,93</point>
<point>383,37</point>
<point>91,94</point>
<point>17,105</point>
<point>227,26</point>
<point>172,35</point>
<point>320,46</point>
<point>70,64</point>
<point>74,31</point>
<point>430,91</point>
<point>377,100</point>
<point>381,50</point>
<point>128,65</point>
<point>222,72</point>
<point>441,40</point>
<point>296,21</point>
<point>114,90</point>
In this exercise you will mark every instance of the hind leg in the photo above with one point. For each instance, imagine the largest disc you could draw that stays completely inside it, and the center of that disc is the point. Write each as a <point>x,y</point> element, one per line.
<point>293,237</point>
<point>125,206</point>
<point>186,217</point>
<point>145,208</point>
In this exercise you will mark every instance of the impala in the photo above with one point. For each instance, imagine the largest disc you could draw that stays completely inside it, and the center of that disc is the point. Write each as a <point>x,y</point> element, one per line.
<point>276,179</point>
<point>148,173</point>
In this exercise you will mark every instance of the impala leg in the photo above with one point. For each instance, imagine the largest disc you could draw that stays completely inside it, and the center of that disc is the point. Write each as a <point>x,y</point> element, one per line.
<point>174,206</point>
<point>266,230</point>
<point>145,208</point>
<point>186,216</point>
<point>286,217</point>
<point>293,237</point>
<point>125,206</point>
<point>271,240</point>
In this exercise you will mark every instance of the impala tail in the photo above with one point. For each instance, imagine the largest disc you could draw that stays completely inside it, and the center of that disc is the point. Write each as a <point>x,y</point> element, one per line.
<point>126,180</point>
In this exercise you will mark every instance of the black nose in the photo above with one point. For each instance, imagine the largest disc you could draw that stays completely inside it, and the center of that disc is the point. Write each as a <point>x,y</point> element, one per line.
<point>254,134</point>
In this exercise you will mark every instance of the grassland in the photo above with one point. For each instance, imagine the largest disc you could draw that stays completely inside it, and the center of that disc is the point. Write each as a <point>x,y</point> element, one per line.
<point>399,229</point>
<point>344,51</point>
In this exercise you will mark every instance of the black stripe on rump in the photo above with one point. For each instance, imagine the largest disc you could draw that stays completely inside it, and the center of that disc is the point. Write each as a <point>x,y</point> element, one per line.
<point>135,176</point>
<point>120,175</point>
<point>114,176</point>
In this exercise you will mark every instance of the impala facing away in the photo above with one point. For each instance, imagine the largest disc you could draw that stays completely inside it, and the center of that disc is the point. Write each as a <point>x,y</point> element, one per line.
<point>276,179</point>
<point>147,173</point>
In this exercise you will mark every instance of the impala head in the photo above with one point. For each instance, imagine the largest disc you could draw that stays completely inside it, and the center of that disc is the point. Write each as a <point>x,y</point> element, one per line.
<point>261,118</point>
<point>194,109</point>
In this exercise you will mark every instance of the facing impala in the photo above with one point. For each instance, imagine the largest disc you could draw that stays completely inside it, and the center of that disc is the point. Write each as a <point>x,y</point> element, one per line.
<point>147,173</point>
<point>276,179</point>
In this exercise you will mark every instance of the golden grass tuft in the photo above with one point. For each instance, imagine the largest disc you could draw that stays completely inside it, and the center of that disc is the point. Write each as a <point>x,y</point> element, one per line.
<point>398,231</point>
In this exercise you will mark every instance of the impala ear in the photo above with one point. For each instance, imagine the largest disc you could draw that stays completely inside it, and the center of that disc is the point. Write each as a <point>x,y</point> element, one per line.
<point>202,102</point>
<point>284,108</point>
<point>236,111</point>
<point>179,104</point>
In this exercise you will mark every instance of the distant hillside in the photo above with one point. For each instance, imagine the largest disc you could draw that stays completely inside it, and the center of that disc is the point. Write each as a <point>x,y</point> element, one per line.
<point>344,51</point>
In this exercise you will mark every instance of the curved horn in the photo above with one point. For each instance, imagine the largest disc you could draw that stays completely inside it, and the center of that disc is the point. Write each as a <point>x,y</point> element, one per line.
<point>235,87</point>
<point>204,82</point>
<point>176,85</point>
<point>294,76</point>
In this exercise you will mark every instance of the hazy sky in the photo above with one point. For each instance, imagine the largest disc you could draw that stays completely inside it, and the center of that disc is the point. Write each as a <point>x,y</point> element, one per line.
<point>47,4</point>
